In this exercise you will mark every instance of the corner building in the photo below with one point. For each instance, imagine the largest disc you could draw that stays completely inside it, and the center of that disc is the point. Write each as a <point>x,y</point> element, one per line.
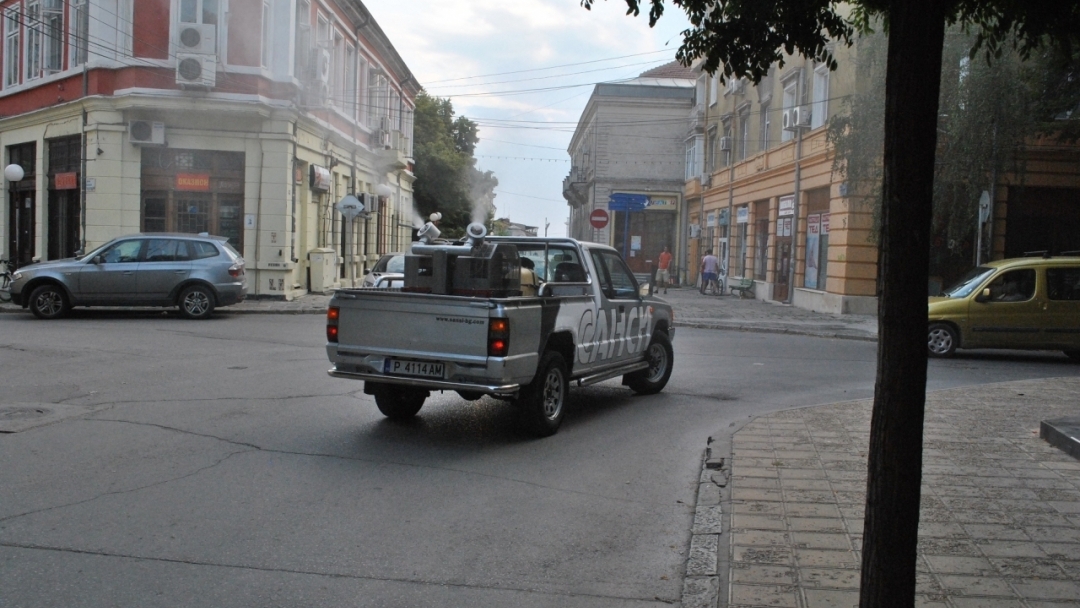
<point>248,119</point>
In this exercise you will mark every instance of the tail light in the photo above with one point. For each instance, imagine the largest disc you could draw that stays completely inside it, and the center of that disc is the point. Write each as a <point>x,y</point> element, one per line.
<point>332,315</point>
<point>498,337</point>
<point>236,270</point>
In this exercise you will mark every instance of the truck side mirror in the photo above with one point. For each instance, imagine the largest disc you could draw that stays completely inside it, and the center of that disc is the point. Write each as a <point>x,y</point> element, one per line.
<point>984,296</point>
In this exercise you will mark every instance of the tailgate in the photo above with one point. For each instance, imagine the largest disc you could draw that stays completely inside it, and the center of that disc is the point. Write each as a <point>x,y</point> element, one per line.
<point>411,325</point>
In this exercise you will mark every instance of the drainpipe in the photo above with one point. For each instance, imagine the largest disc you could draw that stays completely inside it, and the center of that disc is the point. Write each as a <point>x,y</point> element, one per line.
<point>795,219</point>
<point>82,187</point>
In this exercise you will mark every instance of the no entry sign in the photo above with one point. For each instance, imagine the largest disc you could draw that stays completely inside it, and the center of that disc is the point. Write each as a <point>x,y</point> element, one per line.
<point>598,218</point>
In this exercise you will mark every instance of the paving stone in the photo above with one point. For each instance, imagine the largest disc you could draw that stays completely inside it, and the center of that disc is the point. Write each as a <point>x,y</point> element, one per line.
<point>847,578</point>
<point>825,559</point>
<point>818,496</point>
<point>816,524</point>
<point>1048,590</point>
<point>764,595</point>
<point>1069,507</point>
<point>830,598</point>
<point>804,483</point>
<point>807,473</point>
<point>1021,567</point>
<point>757,522</point>
<point>1009,548</point>
<point>743,493</point>
<point>708,495</point>
<point>947,546</point>
<point>1053,533</point>
<point>985,602</point>
<point>1061,550</point>
<point>816,540</point>
<point>941,530</point>
<point>807,509</point>
<point>758,508</point>
<point>761,538</point>
<point>763,555</point>
<point>703,551</point>
<point>976,585</point>
<point>996,531</point>
<point>762,574</point>
<point>957,564</point>
<point>765,483</point>
<point>744,470</point>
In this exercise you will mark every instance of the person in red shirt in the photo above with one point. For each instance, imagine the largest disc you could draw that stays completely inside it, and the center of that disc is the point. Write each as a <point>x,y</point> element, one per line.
<point>663,270</point>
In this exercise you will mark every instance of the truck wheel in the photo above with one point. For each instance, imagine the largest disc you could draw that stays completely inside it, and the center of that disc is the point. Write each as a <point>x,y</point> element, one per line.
<point>399,402</point>
<point>544,400</point>
<point>661,358</point>
<point>941,340</point>
<point>49,302</point>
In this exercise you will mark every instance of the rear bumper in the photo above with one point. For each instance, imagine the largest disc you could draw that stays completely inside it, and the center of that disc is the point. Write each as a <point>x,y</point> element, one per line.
<point>500,390</point>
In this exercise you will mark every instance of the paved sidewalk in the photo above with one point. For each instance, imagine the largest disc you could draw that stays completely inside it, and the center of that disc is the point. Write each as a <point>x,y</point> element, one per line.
<point>691,310</point>
<point>1000,520</point>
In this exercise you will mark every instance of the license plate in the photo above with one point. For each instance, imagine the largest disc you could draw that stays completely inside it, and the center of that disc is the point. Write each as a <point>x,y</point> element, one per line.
<point>423,369</point>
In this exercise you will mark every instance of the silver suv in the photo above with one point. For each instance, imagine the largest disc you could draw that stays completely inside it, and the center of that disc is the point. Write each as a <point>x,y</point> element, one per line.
<point>194,272</point>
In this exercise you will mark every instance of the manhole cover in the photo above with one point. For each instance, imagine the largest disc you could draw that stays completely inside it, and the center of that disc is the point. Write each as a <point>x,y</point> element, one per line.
<point>23,413</point>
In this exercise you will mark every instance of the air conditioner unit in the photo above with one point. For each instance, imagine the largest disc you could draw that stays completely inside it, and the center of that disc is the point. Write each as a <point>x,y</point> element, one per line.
<point>381,138</point>
<point>196,70</point>
<point>146,133</point>
<point>788,122</point>
<point>317,95</point>
<point>197,38</point>
<point>384,124</point>
<point>322,67</point>
<point>706,179</point>
<point>801,116</point>
<point>725,144</point>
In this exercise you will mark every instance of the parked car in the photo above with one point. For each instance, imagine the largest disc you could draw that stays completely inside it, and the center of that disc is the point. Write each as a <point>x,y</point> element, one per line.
<point>197,273</point>
<point>1019,303</point>
<point>388,272</point>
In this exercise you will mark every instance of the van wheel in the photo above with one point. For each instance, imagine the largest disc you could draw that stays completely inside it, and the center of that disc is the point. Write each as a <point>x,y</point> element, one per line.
<point>49,302</point>
<point>196,302</point>
<point>654,378</point>
<point>399,402</point>
<point>1073,354</point>
<point>544,400</point>
<point>941,340</point>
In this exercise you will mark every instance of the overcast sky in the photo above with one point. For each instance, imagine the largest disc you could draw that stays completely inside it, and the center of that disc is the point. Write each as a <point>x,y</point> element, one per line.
<point>478,51</point>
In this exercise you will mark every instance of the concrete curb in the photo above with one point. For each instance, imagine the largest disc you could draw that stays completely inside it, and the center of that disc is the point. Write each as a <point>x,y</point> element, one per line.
<point>1062,433</point>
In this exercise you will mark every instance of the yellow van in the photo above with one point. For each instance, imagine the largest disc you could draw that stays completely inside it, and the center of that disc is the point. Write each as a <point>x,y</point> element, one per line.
<point>1019,303</point>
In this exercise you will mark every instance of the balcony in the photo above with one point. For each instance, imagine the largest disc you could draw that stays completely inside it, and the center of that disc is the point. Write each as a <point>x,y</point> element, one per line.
<point>575,187</point>
<point>697,119</point>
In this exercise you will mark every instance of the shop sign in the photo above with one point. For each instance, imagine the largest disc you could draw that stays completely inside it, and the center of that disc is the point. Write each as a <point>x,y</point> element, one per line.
<point>193,182</point>
<point>319,178</point>
<point>825,223</point>
<point>722,220</point>
<point>661,203</point>
<point>742,215</point>
<point>783,226</point>
<point>66,181</point>
<point>787,205</point>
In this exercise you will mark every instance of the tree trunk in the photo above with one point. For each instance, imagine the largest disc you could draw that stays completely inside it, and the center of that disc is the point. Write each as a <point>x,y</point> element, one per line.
<point>890,535</point>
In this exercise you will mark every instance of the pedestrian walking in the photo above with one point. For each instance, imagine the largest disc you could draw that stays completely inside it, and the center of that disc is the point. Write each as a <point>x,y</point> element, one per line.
<point>663,269</point>
<point>710,272</point>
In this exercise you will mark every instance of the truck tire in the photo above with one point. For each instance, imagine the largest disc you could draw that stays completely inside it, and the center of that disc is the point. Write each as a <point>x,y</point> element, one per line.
<point>399,402</point>
<point>661,358</point>
<point>544,400</point>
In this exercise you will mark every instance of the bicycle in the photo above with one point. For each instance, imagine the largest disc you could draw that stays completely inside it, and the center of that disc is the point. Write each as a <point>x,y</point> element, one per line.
<point>6,269</point>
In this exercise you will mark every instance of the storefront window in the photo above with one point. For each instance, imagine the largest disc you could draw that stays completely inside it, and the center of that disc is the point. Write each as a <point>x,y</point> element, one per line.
<point>193,191</point>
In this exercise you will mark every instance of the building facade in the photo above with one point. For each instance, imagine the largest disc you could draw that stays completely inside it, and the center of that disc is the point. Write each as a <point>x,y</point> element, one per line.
<point>626,178</point>
<point>249,119</point>
<point>762,190</point>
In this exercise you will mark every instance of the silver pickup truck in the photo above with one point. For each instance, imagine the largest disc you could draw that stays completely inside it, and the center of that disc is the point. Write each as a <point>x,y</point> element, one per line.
<point>516,318</point>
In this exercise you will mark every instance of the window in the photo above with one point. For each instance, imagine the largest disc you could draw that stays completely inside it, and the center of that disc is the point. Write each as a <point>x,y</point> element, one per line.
<point>395,110</point>
<point>1063,284</point>
<point>337,70</point>
<point>726,155</point>
<point>267,33</point>
<point>124,252</point>
<point>1013,286</point>
<point>199,11</point>
<point>53,24</point>
<point>714,149</point>
<point>361,86</point>
<point>11,46</point>
<point>740,247</point>
<point>820,108</point>
<point>378,95</point>
<point>80,31</point>
<point>714,87</point>
<point>34,38</point>
<point>615,278</point>
<point>350,81</point>
<point>744,132</point>
<point>303,38</point>
<point>763,136</point>
<point>694,152</point>
<point>791,88</point>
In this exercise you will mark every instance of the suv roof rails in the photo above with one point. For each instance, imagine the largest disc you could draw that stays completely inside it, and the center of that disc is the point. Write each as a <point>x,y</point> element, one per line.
<point>1073,252</point>
<point>1045,253</point>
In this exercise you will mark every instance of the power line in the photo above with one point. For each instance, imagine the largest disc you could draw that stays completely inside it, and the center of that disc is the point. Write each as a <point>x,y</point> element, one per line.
<point>550,67</point>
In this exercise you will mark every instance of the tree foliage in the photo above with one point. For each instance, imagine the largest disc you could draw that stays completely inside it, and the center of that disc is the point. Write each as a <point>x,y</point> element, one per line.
<point>447,180</point>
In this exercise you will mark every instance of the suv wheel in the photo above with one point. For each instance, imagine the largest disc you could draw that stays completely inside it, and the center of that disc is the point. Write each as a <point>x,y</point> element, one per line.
<point>654,378</point>
<point>941,340</point>
<point>196,302</point>
<point>544,400</point>
<point>49,302</point>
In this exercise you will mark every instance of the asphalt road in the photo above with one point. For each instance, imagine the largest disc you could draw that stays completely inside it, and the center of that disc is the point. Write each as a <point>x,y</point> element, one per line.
<point>180,463</point>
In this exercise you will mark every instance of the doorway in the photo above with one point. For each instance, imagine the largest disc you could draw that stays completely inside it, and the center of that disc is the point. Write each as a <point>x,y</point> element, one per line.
<point>22,205</point>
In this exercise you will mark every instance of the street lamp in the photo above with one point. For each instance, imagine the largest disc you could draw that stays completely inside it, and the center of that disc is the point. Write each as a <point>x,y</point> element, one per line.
<point>14,173</point>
